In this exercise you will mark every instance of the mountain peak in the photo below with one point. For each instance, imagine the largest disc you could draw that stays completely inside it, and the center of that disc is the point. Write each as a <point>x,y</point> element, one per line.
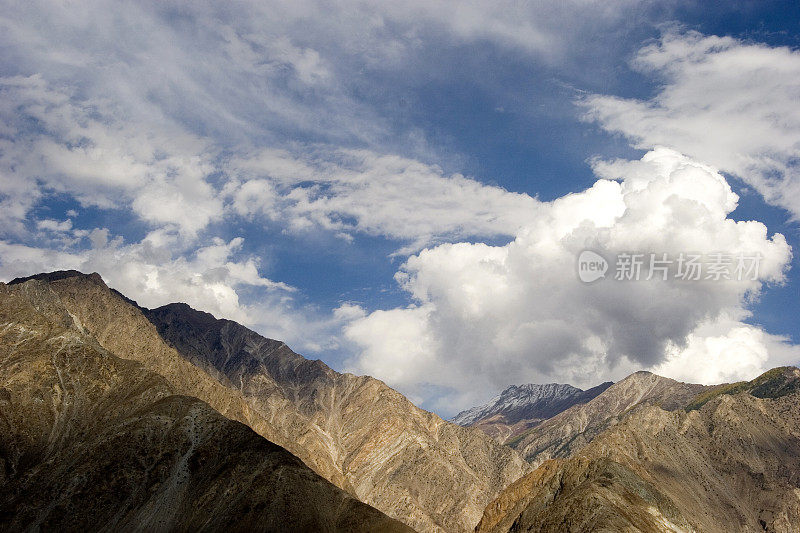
<point>130,447</point>
<point>354,431</point>
<point>58,275</point>
<point>529,402</point>
<point>541,389</point>
<point>186,312</point>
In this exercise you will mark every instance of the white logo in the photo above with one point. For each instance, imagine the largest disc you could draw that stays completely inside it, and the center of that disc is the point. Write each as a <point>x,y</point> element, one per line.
<point>591,266</point>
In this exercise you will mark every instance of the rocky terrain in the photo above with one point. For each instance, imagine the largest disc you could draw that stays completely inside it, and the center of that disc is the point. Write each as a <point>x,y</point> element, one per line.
<point>113,416</point>
<point>91,441</point>
<point>568,431</point>
<point>521,407</point>
<point>353,430</point>
<point>390,453</point>
<point>730,464</point>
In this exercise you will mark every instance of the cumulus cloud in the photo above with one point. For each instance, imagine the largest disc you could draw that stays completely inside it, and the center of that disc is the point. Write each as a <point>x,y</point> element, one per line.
<point>730,103</point>
<point>725,350</point>
<point>486,316</point>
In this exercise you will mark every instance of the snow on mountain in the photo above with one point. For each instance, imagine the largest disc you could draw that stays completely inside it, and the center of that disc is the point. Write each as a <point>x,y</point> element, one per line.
<point>520,401</point>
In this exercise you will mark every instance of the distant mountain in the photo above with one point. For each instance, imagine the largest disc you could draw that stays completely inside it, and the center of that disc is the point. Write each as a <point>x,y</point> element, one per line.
<point>729,460</point>
<point>90,441</point>
<point>352,430</point>
<point>520,407</point>
<point>575,427</point>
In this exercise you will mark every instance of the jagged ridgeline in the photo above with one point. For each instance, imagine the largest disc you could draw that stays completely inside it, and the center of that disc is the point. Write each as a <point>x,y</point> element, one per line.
<point>366,439</point>
<point>652,454</point>
<point>93,441</point>
<point>117,417</point>
<point>508,416</point>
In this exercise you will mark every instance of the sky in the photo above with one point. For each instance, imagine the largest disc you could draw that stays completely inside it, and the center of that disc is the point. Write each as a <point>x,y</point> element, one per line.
<point>404,189</point>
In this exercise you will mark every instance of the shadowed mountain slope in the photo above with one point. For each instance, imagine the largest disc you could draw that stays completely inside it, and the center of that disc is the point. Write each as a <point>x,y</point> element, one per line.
<point>93,442</point>
<point>353,430</point>
<point>396,456</point>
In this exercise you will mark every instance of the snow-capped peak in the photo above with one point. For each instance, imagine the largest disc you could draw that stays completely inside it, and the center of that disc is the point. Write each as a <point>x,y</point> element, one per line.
<point>517,398</point>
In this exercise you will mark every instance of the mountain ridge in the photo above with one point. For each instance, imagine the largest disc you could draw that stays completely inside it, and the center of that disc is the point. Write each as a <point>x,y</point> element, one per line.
<point>521,407</point>
<point>569,430</point>
<point>354,431</point>
<point>732,464</point>
<point>358,438</point>
<point>92,441</point>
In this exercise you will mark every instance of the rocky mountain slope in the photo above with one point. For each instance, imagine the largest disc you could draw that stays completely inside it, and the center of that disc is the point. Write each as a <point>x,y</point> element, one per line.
<point>392,454</point>
<point>90,441</point>
<point>353,430</point>
<point>521,407</point>
<point>730,464</point>
<point>568,431</point>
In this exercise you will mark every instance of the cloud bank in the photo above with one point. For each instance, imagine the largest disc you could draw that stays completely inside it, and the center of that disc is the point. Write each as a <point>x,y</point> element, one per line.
<point>137,140</point>
<point>486,316</point>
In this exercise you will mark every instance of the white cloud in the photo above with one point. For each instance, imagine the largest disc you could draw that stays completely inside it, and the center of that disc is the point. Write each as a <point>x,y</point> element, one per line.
<point>176,182</point>
<point>725,350</point>
<point>727,102</point>
<point>486,316</point>
<point>54,225</point>
<point>348,191</point>
<point>262,71</point>
<point>85,149</point>
<point>134,106</point>
<point>211,278</point>
<point>539,28</point>
<point>398,340</point>
<point>206,278</point>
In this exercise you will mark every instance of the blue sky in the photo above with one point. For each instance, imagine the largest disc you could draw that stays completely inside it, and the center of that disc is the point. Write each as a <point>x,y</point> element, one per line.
<point>401,190</point>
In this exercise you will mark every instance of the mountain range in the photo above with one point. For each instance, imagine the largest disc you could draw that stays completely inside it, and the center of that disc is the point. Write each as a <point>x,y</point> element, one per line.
<point>728,460</point>
<point>115,416</point>
<point>521,407</point>
<point>92,441</point>
<point>354,431</point>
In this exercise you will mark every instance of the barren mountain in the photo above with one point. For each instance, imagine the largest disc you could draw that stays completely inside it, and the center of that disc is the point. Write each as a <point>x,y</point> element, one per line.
<point>731,464</point>
<point>568,431</point>
<point>521,407</point>
<point>353,430</point>
<point>394,455</point>
<point>90,441</point>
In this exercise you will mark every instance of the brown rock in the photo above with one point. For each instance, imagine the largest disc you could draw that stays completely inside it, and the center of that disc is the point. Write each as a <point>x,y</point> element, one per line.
<point>353,430</point>
<point>91,441</point>
<point>731,465</point>
<point>572,429</point>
